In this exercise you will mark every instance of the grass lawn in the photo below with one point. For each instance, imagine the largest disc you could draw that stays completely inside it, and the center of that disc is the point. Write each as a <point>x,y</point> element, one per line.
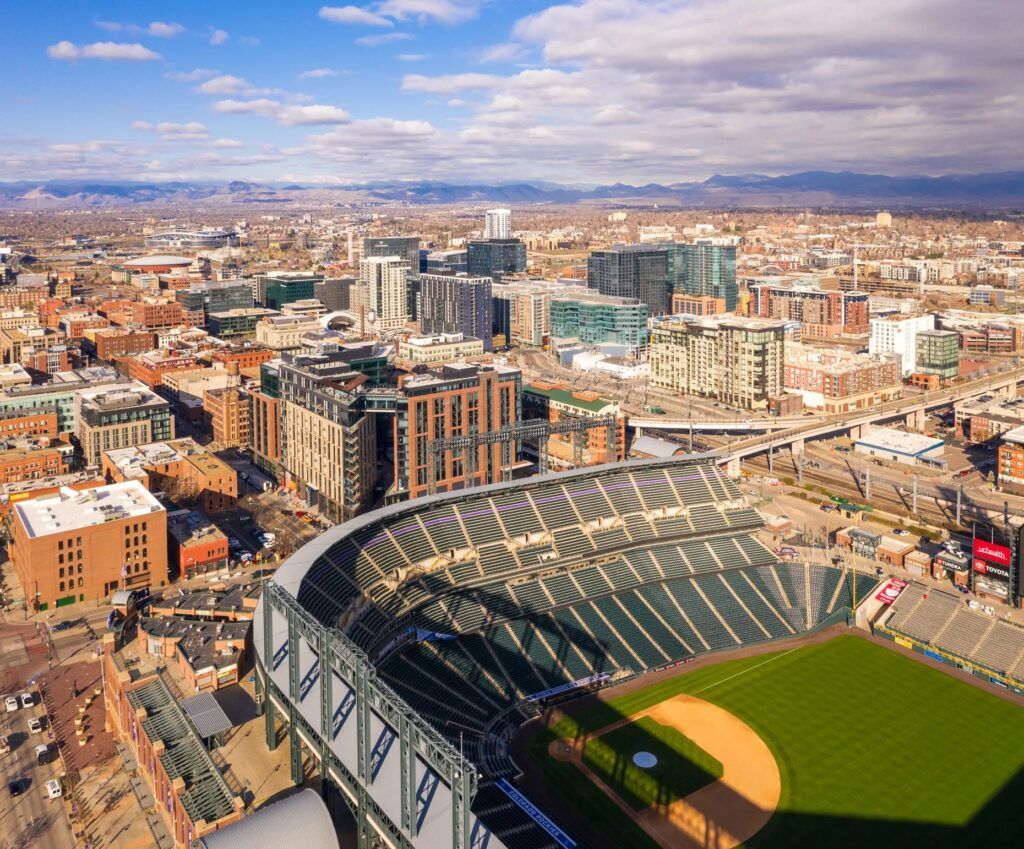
<point>872,746</point>
<point>682,766</point>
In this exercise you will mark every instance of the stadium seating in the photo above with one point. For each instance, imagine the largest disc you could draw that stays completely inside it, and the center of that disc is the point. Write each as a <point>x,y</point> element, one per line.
<point>473,603</point>
<point>944,621</point>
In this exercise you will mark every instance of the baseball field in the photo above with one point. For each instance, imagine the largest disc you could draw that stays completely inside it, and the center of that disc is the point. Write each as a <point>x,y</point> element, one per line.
<point>843,743</point>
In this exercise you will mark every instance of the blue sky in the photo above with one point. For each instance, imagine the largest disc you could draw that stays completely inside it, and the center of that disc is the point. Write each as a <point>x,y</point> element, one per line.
<point>588,91</point>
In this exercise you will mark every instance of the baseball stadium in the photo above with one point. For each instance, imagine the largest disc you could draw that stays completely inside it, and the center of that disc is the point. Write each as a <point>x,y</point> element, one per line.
<point>613,657</point>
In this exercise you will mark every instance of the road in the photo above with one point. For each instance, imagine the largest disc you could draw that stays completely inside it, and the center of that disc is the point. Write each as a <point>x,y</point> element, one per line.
<point>31,819</point>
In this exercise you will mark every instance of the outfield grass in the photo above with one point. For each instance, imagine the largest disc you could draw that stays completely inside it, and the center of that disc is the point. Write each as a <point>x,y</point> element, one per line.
<point>682,767</point>
<point>872,747</point>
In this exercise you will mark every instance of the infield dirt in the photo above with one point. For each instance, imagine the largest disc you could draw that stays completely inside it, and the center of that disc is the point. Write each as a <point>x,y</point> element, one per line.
<point>722,814</point>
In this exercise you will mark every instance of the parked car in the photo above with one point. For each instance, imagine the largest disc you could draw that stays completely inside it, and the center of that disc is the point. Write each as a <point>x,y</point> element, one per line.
<point>27,699</point>
<point>246,557</point>
<point>53,789</point>
<point>15,787</point>
<point>11,703</point>
<point>901,533</point>
<point>35,725</point>
<point>42,754</point>
<point>62,626</point>
<point>233,542</point>
<point>826,508</point>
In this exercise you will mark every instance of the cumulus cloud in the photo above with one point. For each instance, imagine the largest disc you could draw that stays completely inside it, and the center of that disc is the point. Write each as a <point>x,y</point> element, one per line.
<point>228,143</point>
<point>450,83</point>
<point>318,73</point>
<point>218,36</point>
<point>171,131</point>
<point>285,114</point>
<point>105,50</point>
<point>226,84</point>
<point>157,29</point>
<point>353,15</point>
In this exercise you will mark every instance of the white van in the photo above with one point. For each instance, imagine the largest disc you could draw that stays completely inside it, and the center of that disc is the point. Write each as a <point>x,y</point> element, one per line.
<point>53,789</point>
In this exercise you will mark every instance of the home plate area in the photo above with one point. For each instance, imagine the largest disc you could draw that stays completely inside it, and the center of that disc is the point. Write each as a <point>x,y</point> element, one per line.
<point>688,772</point>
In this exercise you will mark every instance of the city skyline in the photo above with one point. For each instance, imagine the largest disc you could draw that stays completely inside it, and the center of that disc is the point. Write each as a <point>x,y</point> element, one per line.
<point>461,90</point>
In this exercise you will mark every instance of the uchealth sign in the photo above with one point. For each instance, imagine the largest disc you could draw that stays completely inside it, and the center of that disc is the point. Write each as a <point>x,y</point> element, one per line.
<point>990,570</point>
<point>992,552</point>
<point>891,591</point>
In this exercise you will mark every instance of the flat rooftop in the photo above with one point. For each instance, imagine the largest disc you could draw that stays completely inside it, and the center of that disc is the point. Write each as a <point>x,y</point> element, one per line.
<point>69,509</point>
<point>901,442</point>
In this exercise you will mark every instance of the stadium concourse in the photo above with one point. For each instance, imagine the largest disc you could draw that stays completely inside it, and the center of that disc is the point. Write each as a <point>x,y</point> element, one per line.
<point>404,648</point>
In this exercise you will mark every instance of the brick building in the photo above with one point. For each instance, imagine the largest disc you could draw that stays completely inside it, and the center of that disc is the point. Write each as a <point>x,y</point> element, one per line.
<point>106,344</point>
<point>822,312</point>
<point>32,463</point>
<point>77,546</point>
<point>699,305</point>
<point>230,413</point>
<point>194,799</point>
<point>556,403</point>
<point>453,400</point>
<point>179,466</point>
<point>838,381</point>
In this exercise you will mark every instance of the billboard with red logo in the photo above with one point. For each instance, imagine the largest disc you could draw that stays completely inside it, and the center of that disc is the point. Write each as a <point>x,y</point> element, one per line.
<point>891,591</point>
<point>991,570</point>
<point>992,552</point>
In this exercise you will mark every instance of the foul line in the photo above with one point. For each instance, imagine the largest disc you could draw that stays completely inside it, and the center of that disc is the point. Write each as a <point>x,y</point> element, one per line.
<point>745,671</point>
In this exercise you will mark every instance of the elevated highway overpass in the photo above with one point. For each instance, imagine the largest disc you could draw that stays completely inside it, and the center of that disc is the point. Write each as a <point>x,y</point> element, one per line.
<point>912,410</point>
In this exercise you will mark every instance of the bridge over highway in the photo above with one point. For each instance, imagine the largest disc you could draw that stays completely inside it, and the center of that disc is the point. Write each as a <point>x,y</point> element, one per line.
<point>719,425</point>
<point>913,409</point>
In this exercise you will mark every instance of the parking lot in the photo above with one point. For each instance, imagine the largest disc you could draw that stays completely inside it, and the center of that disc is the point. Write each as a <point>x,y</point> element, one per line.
<point>30,818</point>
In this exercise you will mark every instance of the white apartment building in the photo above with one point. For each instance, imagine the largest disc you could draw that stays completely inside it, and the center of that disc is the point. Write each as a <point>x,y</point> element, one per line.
<point>382,289</point>
<point>898,334</point>
<point>498,224</point>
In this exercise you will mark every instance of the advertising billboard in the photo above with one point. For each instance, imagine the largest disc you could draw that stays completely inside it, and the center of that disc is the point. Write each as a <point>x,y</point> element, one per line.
<point>992,552</point>
<point>991,570</point>
<point>891,591</point>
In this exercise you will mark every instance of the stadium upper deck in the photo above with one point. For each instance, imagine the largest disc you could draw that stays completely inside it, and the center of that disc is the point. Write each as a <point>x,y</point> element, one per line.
<point>470,609</point>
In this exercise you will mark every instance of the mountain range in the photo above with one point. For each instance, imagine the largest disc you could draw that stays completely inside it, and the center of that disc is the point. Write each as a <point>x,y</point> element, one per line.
<point>839,189</point>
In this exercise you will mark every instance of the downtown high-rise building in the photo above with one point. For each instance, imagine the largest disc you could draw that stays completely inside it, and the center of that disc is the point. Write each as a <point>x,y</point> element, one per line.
<point>498,224</point>
<point>382,289</point>
<point>738,361</point>
<point>457,304</point>
<point>406,247</point>
<point>704,267</point>
<point>632,271</point>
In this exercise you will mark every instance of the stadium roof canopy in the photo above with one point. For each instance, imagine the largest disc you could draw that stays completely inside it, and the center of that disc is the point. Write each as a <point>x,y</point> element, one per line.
<point>299,820</point>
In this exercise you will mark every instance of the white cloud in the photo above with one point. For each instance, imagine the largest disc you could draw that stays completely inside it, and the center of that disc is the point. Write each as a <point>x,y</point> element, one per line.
<point>443,11</point>
<point>318,73</point>
<point>451,83</point>
<point>218,36</point>
<point>284,114</point>
<point>171,131</point>
<point>386,38</point>
<point>192,76</point>
<point>157,29</point>
<point>502,52</point>
<point>457,101</point>
<point>225,84</point>
<point>105,50</point>
<point>411,57</point>
<point>353,15</point>
<point>228,143</point>
<point>229,84</point>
